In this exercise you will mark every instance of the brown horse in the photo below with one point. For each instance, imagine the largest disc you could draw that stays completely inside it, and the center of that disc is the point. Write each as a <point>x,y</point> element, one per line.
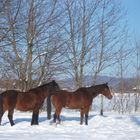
<point>80,99</point>
<point>31,100</point>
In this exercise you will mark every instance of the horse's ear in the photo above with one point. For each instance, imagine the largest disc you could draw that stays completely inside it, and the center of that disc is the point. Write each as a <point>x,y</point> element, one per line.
<point>53,81</point>
<point>106,83</point>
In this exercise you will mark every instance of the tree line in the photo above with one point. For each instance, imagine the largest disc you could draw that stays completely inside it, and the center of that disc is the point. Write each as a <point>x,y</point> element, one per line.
<point>43,39</point>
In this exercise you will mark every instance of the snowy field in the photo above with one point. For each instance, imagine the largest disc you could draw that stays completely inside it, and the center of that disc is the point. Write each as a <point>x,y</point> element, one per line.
<point>110,127</point>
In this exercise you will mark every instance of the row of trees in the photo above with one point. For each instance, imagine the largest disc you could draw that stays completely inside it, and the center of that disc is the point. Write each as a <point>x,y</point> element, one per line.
<point>40,39</point>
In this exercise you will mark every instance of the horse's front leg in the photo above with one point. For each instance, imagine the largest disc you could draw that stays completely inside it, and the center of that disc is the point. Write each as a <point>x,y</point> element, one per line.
<point>10,116</point>
<point>86,119</point>
<point>49,107</point>
<point>54,118</point>
<point>86,115</point>
<point>35,117</point>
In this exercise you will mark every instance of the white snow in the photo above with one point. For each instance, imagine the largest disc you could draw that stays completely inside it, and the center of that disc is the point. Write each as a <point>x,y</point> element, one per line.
<point>110,127</point>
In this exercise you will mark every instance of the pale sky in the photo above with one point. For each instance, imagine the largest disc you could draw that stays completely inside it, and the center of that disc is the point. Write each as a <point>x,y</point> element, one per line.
<point>133,16</point>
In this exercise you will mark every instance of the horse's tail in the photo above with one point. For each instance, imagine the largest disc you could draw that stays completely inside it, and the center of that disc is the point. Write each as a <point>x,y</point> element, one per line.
<point>49,107</point>
<point>1,107</point>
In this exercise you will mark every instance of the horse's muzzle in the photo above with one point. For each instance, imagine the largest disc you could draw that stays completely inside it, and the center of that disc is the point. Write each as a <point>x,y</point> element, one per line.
<point>110,97</point>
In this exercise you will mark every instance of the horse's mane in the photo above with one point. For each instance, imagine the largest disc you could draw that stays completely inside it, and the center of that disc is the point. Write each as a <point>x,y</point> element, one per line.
<point>39,87</point>
<point>80,89</point>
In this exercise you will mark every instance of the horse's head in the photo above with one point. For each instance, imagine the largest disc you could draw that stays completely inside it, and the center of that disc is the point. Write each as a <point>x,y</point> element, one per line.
<point>106,91</point>
<point>53,87</point>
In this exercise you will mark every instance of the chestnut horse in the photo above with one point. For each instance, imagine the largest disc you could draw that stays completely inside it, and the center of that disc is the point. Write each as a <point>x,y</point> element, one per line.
<point>31,100</point>
<point>80,99</point>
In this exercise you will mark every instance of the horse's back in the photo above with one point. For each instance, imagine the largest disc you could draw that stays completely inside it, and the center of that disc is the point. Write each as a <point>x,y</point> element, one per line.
<point>9,92</point>
<point>73,100</point>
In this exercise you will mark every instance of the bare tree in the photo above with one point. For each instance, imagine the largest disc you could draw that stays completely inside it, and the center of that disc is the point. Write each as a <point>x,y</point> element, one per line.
<point>79,30</point>
<point>109,34</point>
<point>123,64</point>
<point>137,79</point>
<point>33,42</point>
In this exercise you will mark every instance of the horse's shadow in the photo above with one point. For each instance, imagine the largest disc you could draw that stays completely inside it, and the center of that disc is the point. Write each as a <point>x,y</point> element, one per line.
<point>67,118</point>
<point>42,119</point>
<point>20,120</point>
<point>135,119</point>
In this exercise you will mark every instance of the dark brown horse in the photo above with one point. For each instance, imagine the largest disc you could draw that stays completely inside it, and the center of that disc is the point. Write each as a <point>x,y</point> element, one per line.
<point>80,99</point>
<point>31,100</point>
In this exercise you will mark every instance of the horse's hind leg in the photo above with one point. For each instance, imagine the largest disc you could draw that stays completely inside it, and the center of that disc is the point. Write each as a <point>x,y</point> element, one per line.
<point>81,116</point>
<point>57,115</point>
<point>1,114</point>
<point>1,108</point>
<point>10,116</point>
<point>58,118</point>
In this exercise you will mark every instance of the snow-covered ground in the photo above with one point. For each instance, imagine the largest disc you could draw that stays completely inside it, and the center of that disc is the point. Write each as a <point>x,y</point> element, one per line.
<point>110,127</point>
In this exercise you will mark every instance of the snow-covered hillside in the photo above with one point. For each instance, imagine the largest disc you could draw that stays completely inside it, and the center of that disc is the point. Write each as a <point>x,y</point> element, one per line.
<point>110,127</point>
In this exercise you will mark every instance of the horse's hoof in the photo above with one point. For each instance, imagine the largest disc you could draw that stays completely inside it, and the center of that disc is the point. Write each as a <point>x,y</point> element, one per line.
<point>34,123</point>
<point>12,124</point>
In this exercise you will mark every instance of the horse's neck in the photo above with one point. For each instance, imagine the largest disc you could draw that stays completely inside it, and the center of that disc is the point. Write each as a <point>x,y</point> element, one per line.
<point>94,91</point>
<point>41,90</point>
<point>44,91</point>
